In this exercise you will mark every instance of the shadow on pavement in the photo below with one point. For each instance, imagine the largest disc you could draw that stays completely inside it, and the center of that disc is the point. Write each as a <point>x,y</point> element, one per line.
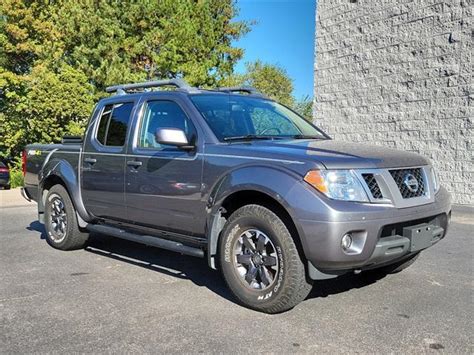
<point>195,269</point>
<point>160,260</point>
<point>38,227</point>
<point>344,283</point>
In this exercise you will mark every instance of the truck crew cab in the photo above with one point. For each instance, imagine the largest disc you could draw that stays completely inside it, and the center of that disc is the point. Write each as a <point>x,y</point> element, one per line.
<point>230,175</point>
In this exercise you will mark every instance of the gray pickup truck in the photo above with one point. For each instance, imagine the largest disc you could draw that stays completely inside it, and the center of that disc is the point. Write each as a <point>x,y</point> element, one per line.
<point>230,175</point>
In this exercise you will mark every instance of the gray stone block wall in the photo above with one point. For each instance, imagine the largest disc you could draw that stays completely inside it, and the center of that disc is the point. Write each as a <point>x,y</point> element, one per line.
<point>399,73</point>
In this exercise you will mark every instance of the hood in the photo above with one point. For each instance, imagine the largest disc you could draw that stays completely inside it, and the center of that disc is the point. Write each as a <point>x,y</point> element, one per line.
<point>335,154</point>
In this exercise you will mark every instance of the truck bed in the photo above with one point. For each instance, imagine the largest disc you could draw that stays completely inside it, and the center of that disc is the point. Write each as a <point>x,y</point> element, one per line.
<point>38,155</point>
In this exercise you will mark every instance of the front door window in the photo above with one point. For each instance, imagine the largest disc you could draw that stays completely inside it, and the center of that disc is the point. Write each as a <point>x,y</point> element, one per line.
<point>163,114</point>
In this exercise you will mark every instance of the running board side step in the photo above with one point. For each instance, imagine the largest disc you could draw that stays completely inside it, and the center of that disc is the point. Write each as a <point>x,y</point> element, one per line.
<point>146,239</point>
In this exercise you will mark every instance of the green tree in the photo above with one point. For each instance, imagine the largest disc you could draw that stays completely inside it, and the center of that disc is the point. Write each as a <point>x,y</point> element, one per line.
<point>272,80</point>
<point>42,106</point>
<point>56,57</point>
<point>304,107</point>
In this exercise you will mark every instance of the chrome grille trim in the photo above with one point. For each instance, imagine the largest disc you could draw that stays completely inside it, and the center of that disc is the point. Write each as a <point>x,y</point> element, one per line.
<point>390,190</point>
<point>373,186</point>
<point>399,176</point>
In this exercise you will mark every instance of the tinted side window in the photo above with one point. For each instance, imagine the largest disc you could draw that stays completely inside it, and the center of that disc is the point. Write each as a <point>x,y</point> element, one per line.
<point>163,114</point>
<point>118,125</point>
<point>104,121</point>
<point>113,124</point>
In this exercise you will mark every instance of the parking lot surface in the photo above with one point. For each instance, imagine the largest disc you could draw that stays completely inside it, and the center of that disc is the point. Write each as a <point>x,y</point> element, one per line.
<point>118,296</point>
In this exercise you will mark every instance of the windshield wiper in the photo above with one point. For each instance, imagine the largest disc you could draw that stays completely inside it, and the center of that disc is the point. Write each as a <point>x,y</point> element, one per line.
<point>248,137</point>
<point>306,136</point>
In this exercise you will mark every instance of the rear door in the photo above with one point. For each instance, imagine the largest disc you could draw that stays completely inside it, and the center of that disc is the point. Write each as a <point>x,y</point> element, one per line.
<point>103,161</point>
<point>163,183</point>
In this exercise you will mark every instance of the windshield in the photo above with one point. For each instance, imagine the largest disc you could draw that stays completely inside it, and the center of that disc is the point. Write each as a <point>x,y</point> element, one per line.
<point>239,117</point>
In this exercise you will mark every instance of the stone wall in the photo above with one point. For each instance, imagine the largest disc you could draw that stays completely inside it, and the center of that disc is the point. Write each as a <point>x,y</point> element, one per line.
<point>399,73</point>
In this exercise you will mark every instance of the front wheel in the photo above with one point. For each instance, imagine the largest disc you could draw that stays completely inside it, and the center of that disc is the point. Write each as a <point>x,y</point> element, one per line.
<point>62,229</point>
<point>260,261</point>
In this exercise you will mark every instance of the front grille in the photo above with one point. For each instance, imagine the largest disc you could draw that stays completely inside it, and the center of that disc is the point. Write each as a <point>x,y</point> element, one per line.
<point>373,186</point>
<point>407,186</point>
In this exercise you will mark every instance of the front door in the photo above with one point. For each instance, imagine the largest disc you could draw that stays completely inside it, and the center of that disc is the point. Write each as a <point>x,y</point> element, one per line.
<point>103,161</point>
<point>163,183</point>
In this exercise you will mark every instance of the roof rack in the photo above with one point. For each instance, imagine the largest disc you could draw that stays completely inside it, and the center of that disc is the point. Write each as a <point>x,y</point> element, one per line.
<point>122,89</point>
<point>247,89</point>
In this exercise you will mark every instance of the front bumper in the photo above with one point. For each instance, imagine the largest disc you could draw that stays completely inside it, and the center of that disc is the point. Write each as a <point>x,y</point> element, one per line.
<point>381,232</point>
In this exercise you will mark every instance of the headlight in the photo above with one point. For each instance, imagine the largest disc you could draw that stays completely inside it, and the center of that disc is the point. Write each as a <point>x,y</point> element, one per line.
<point>337,184</point>
<point>434,178</point>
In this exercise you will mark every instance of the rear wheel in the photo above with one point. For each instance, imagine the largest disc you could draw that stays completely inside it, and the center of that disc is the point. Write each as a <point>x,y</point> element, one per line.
<point>62,229</point>
<point>260,261</point>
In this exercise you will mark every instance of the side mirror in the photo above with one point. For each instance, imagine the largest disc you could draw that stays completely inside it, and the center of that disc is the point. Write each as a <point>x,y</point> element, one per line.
<point>173,136</point>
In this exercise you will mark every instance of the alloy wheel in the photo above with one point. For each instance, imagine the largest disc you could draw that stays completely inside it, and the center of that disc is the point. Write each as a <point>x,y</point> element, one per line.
<point>255,259</point>
<point>58,219</point>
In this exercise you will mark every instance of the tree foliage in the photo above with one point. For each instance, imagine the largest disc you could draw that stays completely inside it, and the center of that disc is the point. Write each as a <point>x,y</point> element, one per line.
<point>272,80</point>
<point>304,107</point>
<point>56,57</point>
<point>42,106</point>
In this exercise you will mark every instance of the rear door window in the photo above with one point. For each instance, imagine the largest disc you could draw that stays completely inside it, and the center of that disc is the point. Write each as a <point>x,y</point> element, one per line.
<point>113,125</point>
<point>104,121</point>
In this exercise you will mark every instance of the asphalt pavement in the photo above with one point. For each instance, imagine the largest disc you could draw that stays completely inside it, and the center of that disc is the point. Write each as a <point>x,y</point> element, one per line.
<point>118,296</point>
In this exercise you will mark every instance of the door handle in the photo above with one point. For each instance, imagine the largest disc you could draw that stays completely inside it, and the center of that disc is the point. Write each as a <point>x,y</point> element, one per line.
<point>134,163</point>
<point>90,160</point>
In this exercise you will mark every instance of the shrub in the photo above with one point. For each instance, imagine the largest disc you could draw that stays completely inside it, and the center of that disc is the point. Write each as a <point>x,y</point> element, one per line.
<point>16,178</point>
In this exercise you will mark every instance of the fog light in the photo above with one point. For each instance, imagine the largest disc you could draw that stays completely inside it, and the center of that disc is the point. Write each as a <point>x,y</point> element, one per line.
<point>346,242</point>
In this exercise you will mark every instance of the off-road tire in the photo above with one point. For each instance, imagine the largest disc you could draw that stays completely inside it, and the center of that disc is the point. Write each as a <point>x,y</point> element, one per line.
<point>290,283</point>
<point>74,237</point>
